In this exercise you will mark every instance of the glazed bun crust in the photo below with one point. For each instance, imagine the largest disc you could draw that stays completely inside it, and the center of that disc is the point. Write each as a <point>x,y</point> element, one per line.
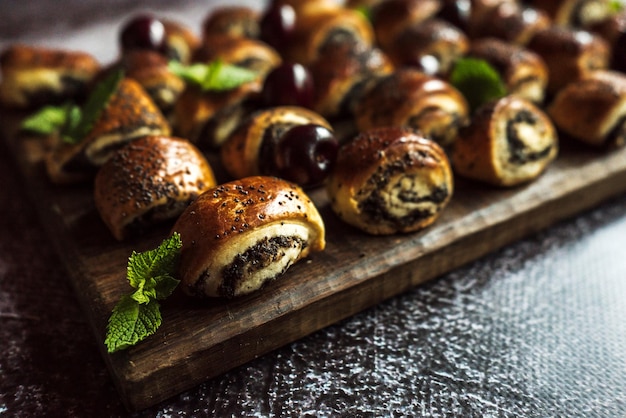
<point>242,234</point>
<point>152,179</point>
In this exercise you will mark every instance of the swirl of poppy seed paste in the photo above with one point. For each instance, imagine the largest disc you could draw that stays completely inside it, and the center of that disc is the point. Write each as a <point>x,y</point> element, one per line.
<point>390,180</point>
<point>240,235</point>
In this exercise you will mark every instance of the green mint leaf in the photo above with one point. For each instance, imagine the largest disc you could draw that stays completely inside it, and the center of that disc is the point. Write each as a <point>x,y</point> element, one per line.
<point>364,11</point>
<point>151,274</point>
<point>616,6</point>
<point>46,121</point>
<point>130,323</point>
<point>74,115</point>
<point>477,80</point>
<point>95,104</point>
<point>214,76</point>
<point>194,73</point>
<point>158,264</point>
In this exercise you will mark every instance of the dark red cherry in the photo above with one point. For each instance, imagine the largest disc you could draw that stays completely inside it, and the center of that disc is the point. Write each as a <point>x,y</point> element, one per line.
<point>277,25</point>
<point>143,32</point>
<point>305,154</point>
<point>290,84</point>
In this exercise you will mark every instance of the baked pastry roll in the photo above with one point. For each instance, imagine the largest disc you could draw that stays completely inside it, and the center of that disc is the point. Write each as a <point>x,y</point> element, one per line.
<point>148,181</point>
<point>392,17</point>
<point>466,14</point>
<point>129,114</point>
<point>390,180</point>
<point>410,98</point>
<point>241,235</point>
<point>237,21</point>
<point>613,31</point>
<point>180,41</point>
<point>510,141</point>
<point>510,22</point>
<point>150,69</point>
<point>341,73</point>
<point>34,76</point>
<point>593,110</point>
<point>432,46</point>
<point>569,54</point>
<point>208,117</point>
<point>523,72</point>
<point>319,27</point>
<point>252,145</point>
<point>574,13</point>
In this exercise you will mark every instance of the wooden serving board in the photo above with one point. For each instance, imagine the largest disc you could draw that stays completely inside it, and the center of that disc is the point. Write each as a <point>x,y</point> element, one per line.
<point>202,339</point>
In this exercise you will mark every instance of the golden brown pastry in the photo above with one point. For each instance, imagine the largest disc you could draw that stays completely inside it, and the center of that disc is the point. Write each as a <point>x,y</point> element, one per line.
<point>432,46</point>
<point>593,110</point>
<point>341,73</point>
<point>467,14</point>
<point>410,98</point>
<point>34,76</point>
<point>319,27</point>
<point>613,31</point>
<point>392,17</point>
<point>510,22</point>
<point>570,54</point>
<point>238,21</point>
<point>575,13</point>
<point>241,235</point>
<point>510,141</point>
<point>390,180</point>
<point>523,72</point>
<point>253,142</point>
<point>181,42</point>
<point>128,115</point>
<point>150,69</point>
<point>149,180</point>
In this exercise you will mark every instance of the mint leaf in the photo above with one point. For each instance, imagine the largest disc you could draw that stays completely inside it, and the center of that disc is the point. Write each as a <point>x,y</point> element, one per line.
<point>477,80</point>
<point>130,323</point>
<point>95,104</point>
<point>214,76</point>
<point>616,6</point>
<point>73,117</point>
<point>151,274</point>
<point>47,120</point>
<point>364,11</point>
<point>157,264</point>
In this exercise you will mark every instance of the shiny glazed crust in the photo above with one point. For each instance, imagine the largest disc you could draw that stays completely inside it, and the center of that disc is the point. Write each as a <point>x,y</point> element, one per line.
<point>509,142</point>
<point>409,98</point>
<point>392,17</point>
<point>240,235</point>
<point>152,179</point>
<point>32,76</point>
<point>569,54</point>
<point>316,27</point>
<point>240,153</point>
<point>593,110</point>
<point>181,41</point>
<point>390,180</point>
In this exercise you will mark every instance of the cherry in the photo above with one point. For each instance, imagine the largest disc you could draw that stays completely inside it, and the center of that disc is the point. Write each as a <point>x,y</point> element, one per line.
<point>289,84</point>
<point>277,25</point>
<point>143,32</point>
<point>305,154</point>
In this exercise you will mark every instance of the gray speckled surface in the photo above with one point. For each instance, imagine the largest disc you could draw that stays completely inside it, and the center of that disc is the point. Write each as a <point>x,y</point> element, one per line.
<point>534,330</point>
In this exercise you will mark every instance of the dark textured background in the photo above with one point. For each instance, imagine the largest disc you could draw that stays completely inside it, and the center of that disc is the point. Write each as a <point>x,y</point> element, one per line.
<point>534,330</point>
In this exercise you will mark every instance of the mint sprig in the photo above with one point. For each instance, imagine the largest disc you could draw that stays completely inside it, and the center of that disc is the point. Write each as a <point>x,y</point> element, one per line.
<point>137,315</point>
<point>214,76</point>
<point>477,80</point>
<point>71,121</point>
<point>616,6</point>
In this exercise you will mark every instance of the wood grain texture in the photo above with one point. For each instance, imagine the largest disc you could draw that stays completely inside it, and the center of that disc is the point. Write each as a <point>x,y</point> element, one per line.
<point>202,339</point>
